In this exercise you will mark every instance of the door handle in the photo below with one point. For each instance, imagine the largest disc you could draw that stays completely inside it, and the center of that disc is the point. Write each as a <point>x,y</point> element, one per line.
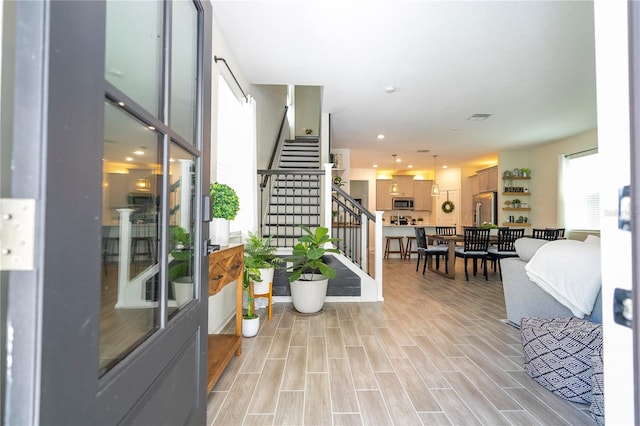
<point>623,307</point>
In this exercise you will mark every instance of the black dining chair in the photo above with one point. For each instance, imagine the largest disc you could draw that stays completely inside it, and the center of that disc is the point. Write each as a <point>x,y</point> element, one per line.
<point>549,234</point>
<point>425,250</point>
<point>443,230</point>
<point>505,246</point>
<point>476,244</point>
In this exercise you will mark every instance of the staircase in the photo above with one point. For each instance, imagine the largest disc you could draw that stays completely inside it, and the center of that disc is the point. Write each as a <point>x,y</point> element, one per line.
<point>294,199</point>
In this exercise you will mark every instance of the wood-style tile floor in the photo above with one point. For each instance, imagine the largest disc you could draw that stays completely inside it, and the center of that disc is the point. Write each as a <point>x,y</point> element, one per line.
<point>435,352</point>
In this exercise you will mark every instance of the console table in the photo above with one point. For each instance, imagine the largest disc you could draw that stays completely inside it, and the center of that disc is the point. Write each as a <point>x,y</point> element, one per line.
<point>225,266</point>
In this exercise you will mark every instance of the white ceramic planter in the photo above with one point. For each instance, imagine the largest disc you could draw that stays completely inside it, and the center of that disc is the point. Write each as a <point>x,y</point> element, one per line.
<point>250,326</point>
<point>183,290</point>
<point>220,231</point>
<point>267,278</point>
<point>308,296</point>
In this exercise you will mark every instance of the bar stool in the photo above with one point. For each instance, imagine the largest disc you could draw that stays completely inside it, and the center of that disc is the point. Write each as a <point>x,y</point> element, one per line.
<point>110,246</point>
<point>387,248</point>
<point>409,248</point>
<point>141,246</point>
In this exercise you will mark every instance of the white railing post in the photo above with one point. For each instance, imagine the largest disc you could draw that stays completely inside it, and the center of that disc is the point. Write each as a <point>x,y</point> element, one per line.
<point>377,254</point>
<point>185,194</point>
<point>124,260</point>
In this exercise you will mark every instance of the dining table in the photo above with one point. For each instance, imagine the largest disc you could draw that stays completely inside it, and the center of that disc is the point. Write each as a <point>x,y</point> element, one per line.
<point>451,258</point>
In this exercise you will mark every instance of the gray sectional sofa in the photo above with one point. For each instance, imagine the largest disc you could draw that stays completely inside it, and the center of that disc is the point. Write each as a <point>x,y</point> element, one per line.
<point>523,298</point>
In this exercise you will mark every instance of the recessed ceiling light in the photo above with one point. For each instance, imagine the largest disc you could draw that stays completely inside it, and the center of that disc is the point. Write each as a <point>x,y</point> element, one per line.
<point>138,152</point>
<point>479,117</point>
<point>171,160</point>
<point>375,166</point>
<point>129,159</point>
<point>444,166</point>
<point>380,136</point>
<point>390,89</point>
<point>398,160</point>
<point>410,166</point>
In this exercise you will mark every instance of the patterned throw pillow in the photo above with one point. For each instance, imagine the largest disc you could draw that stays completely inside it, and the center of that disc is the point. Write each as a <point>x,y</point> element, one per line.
<point>558,355</point>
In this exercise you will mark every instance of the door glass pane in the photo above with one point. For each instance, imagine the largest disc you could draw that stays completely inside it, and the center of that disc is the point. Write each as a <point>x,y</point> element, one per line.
<point>132,184</point>
<point>183,69</point>
<point>133,59</point>
<point>181,227</point>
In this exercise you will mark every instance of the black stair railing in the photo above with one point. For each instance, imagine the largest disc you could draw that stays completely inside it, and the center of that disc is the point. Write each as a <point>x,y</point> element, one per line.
<point>351,223</point>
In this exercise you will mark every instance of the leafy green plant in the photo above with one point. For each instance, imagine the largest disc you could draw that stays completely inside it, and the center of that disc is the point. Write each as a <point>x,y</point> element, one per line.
<point>525,171</point>
<point>307,254</point>
<point>182,253</point>
<point>250,274</point>
<point>260,250</point>
<point>338,181</point>
<point>488,225</point>
<point>224,201</point>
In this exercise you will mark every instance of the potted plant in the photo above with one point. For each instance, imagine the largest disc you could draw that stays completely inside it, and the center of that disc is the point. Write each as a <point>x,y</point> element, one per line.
<point>338,181</point>
<point>420,220</point>
<point>309,274</point>
<point>259,252</point>
<point>515,203</point>
<point>250,274</point>
<point>224,207</point>
<point>180,272</point>
<point>526,172</point>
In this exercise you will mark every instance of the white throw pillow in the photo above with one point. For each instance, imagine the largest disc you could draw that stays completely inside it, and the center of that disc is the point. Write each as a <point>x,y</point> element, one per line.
<point>527,247</point>
<point>592,239</point>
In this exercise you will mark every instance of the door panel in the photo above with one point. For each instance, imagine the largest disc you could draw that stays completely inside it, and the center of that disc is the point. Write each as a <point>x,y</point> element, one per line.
<point>61,165</point>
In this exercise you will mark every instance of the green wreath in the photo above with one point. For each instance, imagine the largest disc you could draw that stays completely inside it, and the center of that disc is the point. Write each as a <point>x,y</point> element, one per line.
<point>447,206</point>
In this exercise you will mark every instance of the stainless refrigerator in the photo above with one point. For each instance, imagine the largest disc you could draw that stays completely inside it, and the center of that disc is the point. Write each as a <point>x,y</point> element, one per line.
<point>485,208</point>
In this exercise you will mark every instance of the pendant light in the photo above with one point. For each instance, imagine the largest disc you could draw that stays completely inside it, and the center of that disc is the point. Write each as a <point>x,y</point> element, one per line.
<point>435,190</point>
<point>394,189</point>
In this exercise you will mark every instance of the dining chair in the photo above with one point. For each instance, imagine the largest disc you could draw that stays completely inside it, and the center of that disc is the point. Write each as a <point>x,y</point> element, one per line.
<point>444,230</point>
<point>425,250</point>
<point>476,244</point>
<point>505,247</point>
<point>549,234</point>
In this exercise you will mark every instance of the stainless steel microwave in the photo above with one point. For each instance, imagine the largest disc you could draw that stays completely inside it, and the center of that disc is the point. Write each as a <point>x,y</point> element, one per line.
<point>404,203</point>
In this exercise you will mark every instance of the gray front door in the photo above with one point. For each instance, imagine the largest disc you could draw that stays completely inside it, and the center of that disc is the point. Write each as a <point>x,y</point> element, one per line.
<point>105,119</point>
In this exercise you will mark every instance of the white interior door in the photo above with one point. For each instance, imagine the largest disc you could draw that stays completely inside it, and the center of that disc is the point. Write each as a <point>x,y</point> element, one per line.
<point>614,147</point>
<point>452,218</point>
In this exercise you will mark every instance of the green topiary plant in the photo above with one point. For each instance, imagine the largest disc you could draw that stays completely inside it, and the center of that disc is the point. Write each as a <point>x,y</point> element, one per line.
<point>224,201</point>
<point>182,253</point>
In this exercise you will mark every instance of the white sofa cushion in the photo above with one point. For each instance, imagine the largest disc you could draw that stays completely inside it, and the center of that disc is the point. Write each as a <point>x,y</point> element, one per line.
<point>527,247</point>
<point>569,271</point>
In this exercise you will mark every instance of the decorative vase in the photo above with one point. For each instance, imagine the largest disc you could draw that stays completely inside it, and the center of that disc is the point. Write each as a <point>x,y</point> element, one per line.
<point>220,231</point>
<point>308,296</point>
<point>183,290</point>
<point>250,326</point>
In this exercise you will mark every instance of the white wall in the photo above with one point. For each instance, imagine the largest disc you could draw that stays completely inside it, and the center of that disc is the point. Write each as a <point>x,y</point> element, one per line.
<point>308,105</point>
<point>545,163</point>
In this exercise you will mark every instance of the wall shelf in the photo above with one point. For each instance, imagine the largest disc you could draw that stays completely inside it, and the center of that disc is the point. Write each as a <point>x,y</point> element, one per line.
<point>516,194</point>
<point>516,224</point>
<point>520,209</point>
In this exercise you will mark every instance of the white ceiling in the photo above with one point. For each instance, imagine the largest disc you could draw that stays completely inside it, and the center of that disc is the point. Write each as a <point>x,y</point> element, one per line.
<point>531,64</point>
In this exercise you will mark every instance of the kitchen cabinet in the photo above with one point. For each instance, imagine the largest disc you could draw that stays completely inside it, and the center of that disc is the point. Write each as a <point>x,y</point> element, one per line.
<point>422,194</point>
<point>488,179</point>
<point>383,198</point>
<point>405,185</point>
<point>473,182</point>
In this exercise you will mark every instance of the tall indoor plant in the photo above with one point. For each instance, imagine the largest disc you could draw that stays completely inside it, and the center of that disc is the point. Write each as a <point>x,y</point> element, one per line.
<point>309,274</point>
<point>250,275</point>
<point>224,207</point>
